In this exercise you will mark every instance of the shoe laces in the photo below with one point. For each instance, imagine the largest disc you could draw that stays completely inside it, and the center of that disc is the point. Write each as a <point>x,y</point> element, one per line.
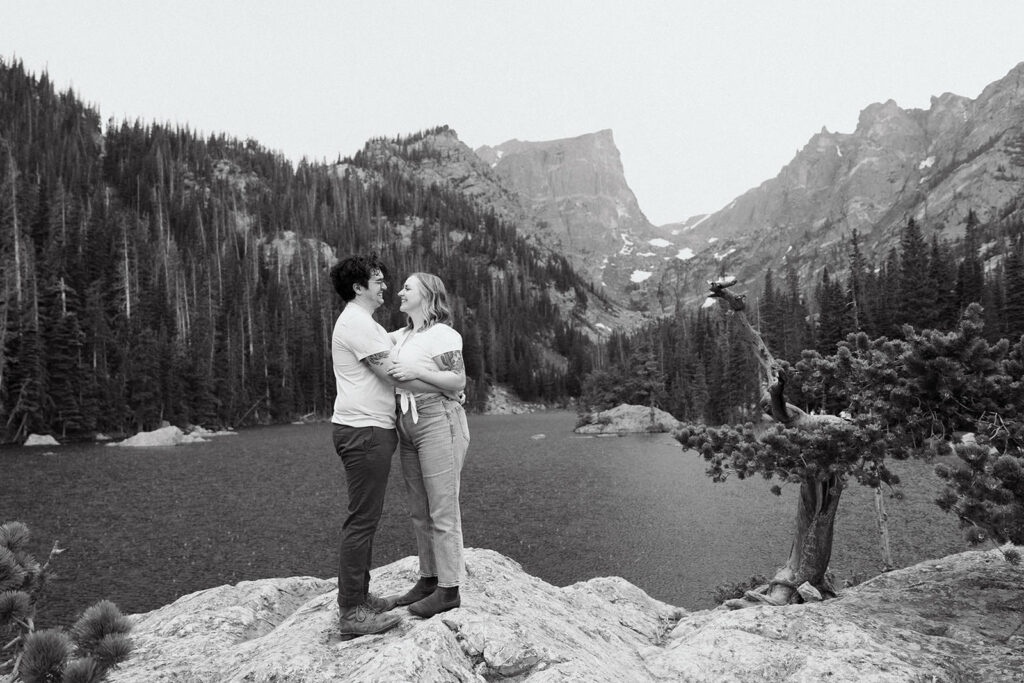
<point>361,613</point>
<point>375,603</point>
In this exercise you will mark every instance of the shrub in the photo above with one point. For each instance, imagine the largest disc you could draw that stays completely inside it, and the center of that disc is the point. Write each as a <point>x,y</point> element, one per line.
<point>98,641</point>
<point>735,591</point>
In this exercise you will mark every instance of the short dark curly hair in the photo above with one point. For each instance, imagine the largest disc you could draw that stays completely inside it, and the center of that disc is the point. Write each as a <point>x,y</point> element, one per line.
<point>355,270</point>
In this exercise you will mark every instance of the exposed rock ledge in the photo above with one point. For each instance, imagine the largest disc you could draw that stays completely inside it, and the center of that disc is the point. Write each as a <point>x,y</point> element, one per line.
<point>501,401</point>
<point>628,419</point>
<point>954,619</point>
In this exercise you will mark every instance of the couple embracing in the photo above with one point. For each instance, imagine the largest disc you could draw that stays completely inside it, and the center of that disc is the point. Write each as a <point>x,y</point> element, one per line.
<point>411,379</point>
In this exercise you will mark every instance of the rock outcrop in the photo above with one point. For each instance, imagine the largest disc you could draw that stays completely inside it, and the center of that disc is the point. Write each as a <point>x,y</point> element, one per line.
<point>628,419</point>
<point>954,619</point>
<point>575,192</point>
<point>501,401</point>
<point>40,440</point>
<point>439,157</point>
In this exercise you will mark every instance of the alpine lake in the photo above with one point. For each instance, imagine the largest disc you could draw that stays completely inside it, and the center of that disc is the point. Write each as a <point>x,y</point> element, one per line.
<point>144,526</point>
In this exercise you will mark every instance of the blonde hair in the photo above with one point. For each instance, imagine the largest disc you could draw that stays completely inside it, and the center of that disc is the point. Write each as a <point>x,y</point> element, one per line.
<point>435,299</point>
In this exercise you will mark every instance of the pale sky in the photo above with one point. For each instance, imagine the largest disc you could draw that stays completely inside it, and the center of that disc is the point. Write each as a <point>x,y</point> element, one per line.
<point>706,99</point>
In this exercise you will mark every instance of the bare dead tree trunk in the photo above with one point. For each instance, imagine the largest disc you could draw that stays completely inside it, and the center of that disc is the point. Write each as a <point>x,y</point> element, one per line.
<point>883,530</point>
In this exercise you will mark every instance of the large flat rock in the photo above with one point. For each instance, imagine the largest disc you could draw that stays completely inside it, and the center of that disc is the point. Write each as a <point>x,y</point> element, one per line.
<point>954,619</point>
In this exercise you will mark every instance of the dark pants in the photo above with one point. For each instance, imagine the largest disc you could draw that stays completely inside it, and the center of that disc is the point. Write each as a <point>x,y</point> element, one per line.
<point>366,453</point>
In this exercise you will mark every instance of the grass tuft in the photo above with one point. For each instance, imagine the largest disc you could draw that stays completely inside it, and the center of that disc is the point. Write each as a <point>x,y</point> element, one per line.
<point>12,574</point>
<point>45,655</point>
<point>112,649</point>
<point>96,623</point>
<point>82,671</point>
<point>14,606</point>
<point>14,536</point>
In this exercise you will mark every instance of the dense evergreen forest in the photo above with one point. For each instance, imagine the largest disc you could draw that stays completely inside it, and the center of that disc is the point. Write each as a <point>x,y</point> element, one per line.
<point>697,366</point>
<point>151,274</point>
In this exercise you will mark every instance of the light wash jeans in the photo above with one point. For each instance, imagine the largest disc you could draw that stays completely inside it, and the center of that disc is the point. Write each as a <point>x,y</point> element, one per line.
<point>432,452</point>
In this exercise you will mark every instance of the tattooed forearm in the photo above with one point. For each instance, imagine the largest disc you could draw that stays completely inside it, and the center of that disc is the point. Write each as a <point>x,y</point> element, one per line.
<point>376,358</point>
<point>451,360</point>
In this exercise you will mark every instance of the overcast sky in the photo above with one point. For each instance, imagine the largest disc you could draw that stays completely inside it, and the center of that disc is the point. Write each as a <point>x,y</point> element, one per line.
<point>706,99</point>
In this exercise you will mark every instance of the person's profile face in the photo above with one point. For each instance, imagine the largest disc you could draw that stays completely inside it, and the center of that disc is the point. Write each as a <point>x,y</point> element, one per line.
<point>411,295</point>
<point>373,293</point>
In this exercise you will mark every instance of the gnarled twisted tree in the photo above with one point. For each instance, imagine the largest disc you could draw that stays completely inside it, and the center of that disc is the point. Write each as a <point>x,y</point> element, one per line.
<point>812,450</point>
<point>878,399</point>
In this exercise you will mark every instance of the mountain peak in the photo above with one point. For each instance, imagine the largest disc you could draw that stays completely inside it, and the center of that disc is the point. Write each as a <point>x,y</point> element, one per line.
<point>934,165</point>
<point>576,191</point>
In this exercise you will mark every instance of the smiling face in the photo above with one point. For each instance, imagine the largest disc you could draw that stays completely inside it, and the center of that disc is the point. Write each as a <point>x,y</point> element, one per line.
<point>411,296</point>
<point>372,296</point>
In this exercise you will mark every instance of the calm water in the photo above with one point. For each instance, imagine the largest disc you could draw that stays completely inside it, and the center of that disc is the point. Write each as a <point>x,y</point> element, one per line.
<point>145,526</point>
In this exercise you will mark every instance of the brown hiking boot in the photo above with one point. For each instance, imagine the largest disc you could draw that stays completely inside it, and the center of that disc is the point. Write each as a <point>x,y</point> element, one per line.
<point>361,620</point>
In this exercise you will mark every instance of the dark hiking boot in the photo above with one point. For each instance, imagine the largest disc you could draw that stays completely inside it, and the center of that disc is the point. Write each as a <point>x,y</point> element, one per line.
<point>361,620</point>
<point>379,604</point>
<point>441,600</point>
<point>424,587</point>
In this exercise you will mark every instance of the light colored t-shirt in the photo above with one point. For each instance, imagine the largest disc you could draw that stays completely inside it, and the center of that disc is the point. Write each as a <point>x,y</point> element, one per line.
<point>363,399</point>
<point>419,348</point>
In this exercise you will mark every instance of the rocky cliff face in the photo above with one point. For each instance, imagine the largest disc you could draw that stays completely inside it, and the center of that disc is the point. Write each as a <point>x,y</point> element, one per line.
<point>953,619</point>
<point>576,193</point>
<point>933,165</point>
<point>576,187</point>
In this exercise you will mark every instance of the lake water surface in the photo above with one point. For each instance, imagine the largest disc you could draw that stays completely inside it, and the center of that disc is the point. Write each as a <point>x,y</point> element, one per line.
<point>145,526</point>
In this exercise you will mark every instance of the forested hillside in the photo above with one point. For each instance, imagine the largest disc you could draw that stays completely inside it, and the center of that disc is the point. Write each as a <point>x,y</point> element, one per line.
<point>152,274</point>
<point>697,366</point>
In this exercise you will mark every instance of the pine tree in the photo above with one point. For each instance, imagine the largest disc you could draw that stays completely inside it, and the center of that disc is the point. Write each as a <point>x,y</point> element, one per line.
<point>857,286</point>
<point>970,280</point>
<point>941,276</point>
<point>770,314</point>
<point>799,334</point>
<point>916,293</point>
<point>63,339</point>
<point>1013,301</point>
<point>833,324</point>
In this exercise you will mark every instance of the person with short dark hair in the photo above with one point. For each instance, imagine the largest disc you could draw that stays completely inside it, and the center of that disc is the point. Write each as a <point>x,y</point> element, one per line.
<point>364,435</point>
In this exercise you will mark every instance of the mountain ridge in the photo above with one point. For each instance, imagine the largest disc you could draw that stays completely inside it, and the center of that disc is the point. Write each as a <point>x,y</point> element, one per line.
<point>931,165</point>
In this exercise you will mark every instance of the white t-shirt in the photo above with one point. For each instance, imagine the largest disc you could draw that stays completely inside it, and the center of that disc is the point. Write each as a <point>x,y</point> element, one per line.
<point>363,399</point>
<point>419,348</point>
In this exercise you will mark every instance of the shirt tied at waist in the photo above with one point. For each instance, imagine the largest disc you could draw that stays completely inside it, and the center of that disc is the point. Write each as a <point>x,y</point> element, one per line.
<point>407,403</point>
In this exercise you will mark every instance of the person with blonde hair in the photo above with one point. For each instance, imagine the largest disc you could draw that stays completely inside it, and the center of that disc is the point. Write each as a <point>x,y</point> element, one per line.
<point>433,439</point>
